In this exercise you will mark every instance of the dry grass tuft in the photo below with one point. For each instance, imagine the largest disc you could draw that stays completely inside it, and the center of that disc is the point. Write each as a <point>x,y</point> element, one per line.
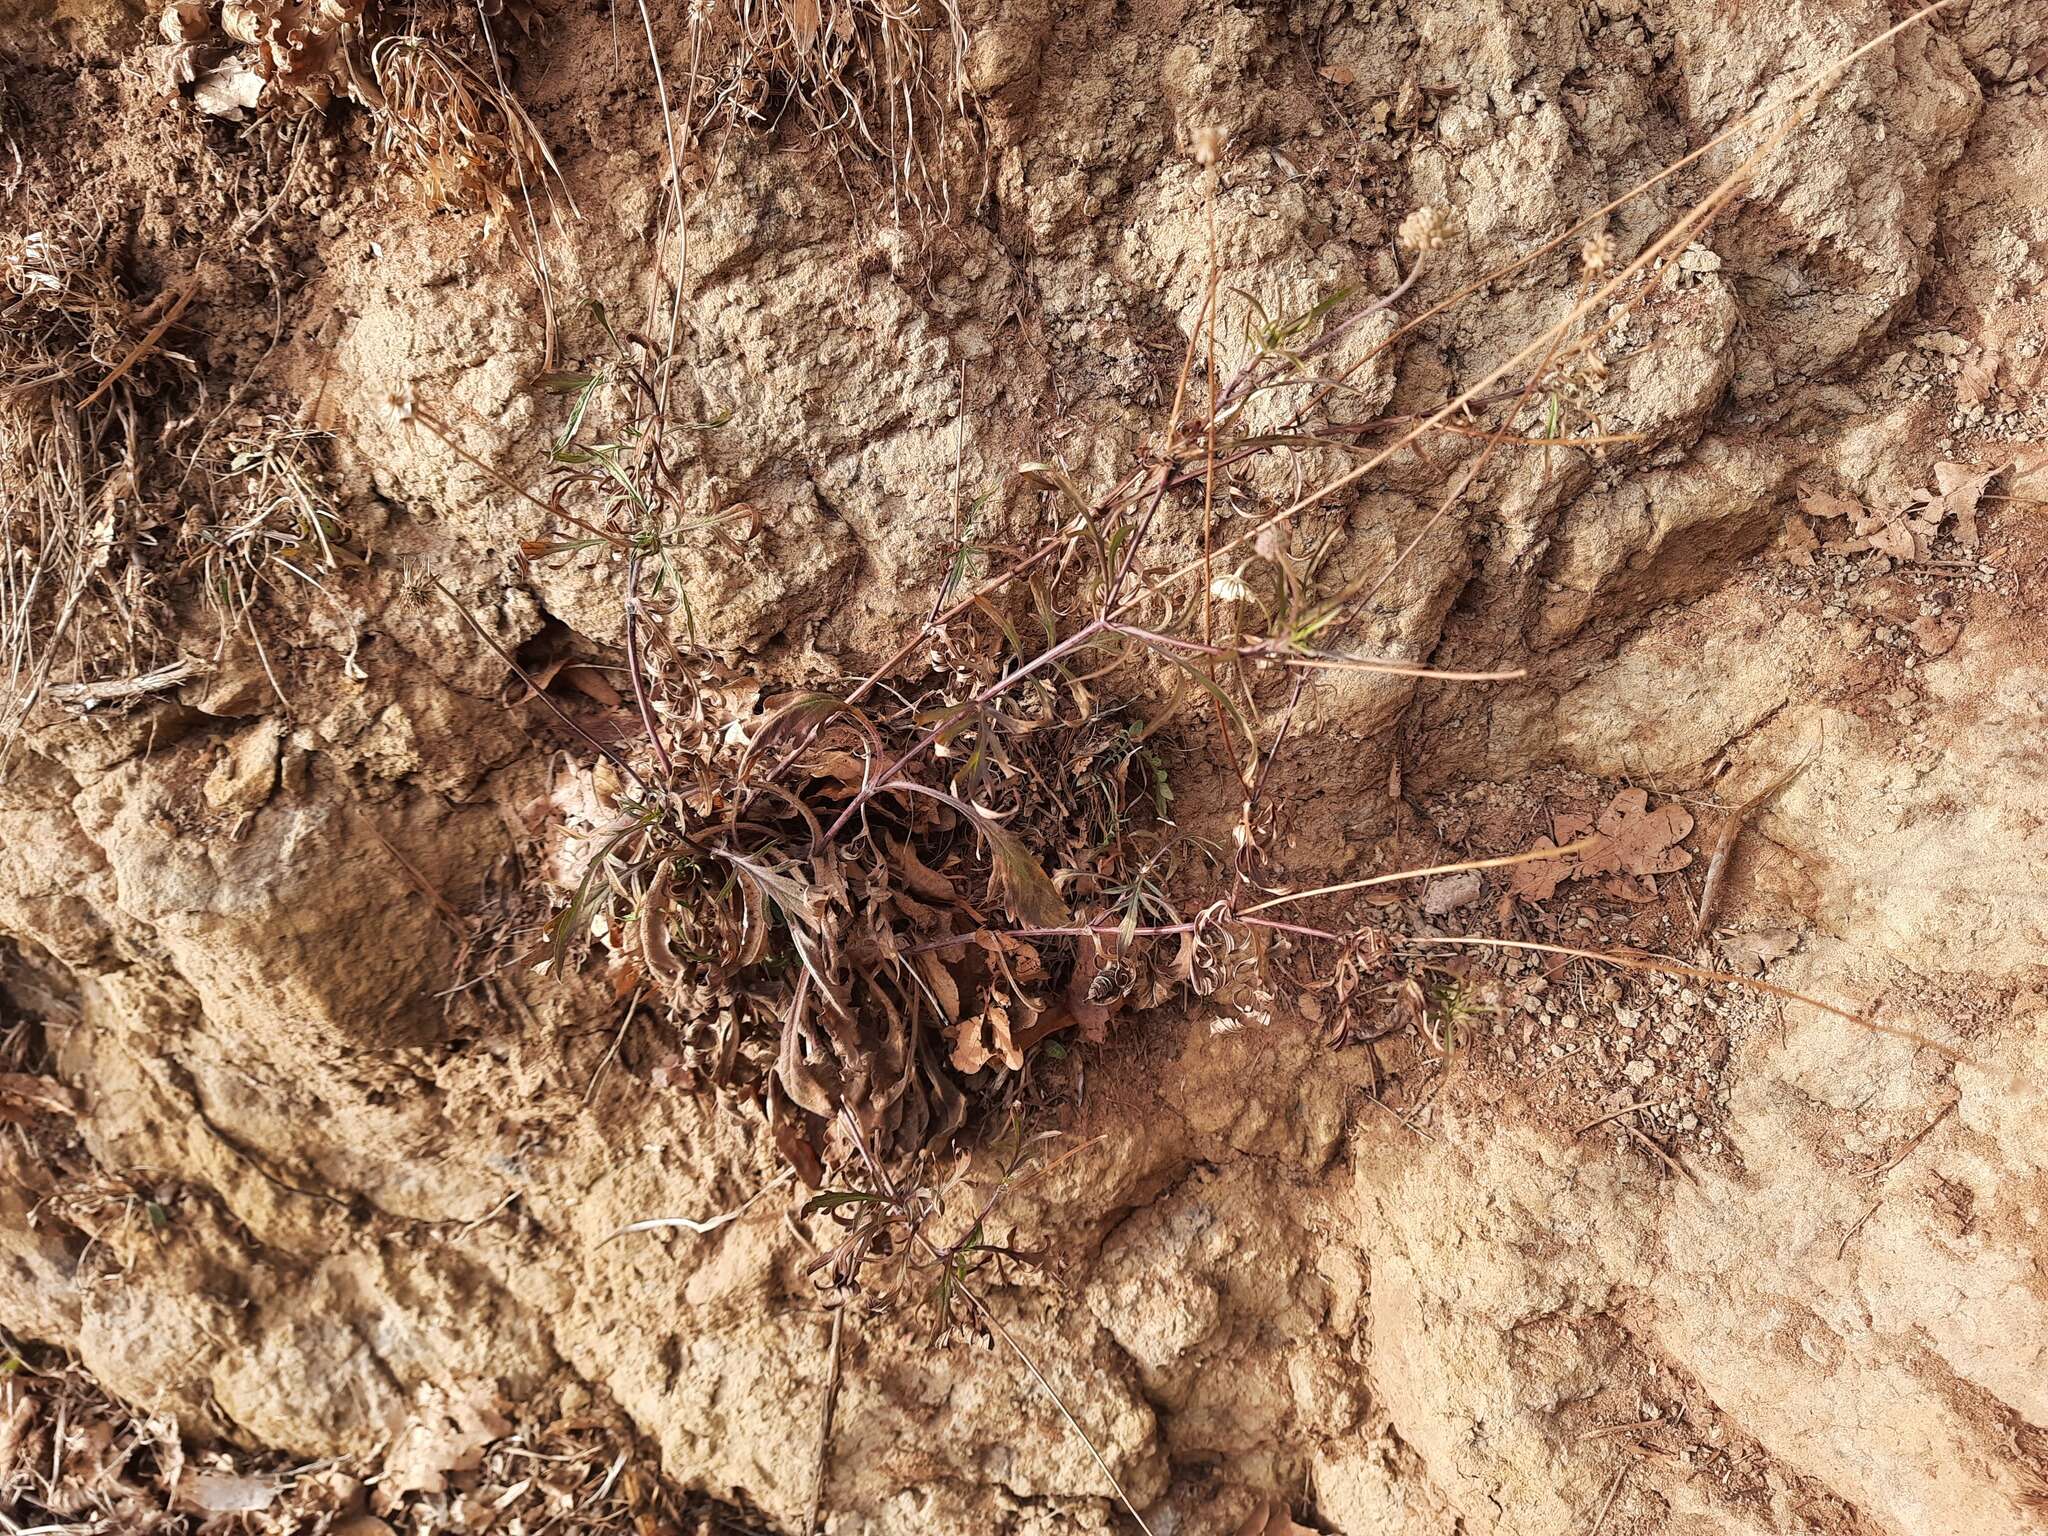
<point>267,526</point>
<point>456,134</point>
<point>74,1461</point>
<point>78,362</point>
<point>871,79</point>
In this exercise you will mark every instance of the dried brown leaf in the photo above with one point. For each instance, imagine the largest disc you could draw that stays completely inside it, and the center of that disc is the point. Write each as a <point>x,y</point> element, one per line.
<point>447,1433</point>
<point>984,1038</point>
<point>1643,841</point>
<point>804,23</point>
<point>940,979</point>
<point>1975,383</point>
<point>1025,887</point>
<point>229,90</point>
<point>1960,488</point>
<point>1274,1519</point>
<point>1539,879</point>
<point>1824,505</point>
<point>918,876</point>
<point>224,1493</point>
<point>1799,541</point>
<point>23,1096</point>
<point>1892,538</point>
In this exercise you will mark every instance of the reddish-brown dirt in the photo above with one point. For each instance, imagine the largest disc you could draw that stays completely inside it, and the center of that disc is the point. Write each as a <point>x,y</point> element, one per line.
<point>311,1182</point>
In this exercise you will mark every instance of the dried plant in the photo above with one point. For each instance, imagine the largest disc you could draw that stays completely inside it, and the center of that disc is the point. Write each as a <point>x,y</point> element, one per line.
<point>270,519</point>
<point>872,79</point>
<point>456,134</point>
<point>863,905</point>
<point>79,362</point>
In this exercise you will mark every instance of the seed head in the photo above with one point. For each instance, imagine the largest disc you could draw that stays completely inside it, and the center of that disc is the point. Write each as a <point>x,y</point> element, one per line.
<point>1230,588</point>
<point>1424,230</point>
<point>1596,254</point>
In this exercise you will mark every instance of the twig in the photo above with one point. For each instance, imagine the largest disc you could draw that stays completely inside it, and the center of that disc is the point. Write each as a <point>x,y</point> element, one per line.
<point>1531,857</point>
<point>1066,1413</point>
<point>640,700</point>
<point>1664,1157</point>
<point>147,345</point>
<point>535,688</point>
<point>618,1041</point>
<point>1911,1146</point>
<point>1607,1503</point>
<point>1629,1110</point>
<point>87,696</point>
<point>1400,1118</point>
<point>1609,1431</point>
<point>824,1453</point>
<point>1842,1247</point>
<point>709,1224</point>
<point>421,883</point>
<point>1731,831</point>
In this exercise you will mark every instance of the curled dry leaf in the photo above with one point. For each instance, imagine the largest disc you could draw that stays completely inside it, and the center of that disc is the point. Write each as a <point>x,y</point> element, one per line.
<point>984,1038</point>
<point>228,90</point>
<point>224,1493</point>
<point>446,1433</point>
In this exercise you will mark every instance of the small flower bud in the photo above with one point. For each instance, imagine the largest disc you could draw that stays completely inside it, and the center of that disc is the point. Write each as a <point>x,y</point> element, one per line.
<point>1423,231</point>
<point>1230,588</point>
<point>1596,254</point>
<point>1209,143</point>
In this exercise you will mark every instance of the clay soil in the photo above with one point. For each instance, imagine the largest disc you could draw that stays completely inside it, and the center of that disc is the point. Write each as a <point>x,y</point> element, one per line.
<point>310,1180</point>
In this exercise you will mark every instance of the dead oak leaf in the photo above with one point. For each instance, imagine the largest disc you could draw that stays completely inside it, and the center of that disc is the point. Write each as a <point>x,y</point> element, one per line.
<point>1979,376</point>
<point>447,1432</point>
<point>1539,879</point>
<point>1638,840</point>
<point>1798,541</point>
<point>1960,487</point>
<point>1904,534</point>
<point>1825,506</point>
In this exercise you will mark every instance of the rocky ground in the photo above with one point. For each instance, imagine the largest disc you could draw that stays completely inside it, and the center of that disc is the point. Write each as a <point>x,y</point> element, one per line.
<point>309,1169</point>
